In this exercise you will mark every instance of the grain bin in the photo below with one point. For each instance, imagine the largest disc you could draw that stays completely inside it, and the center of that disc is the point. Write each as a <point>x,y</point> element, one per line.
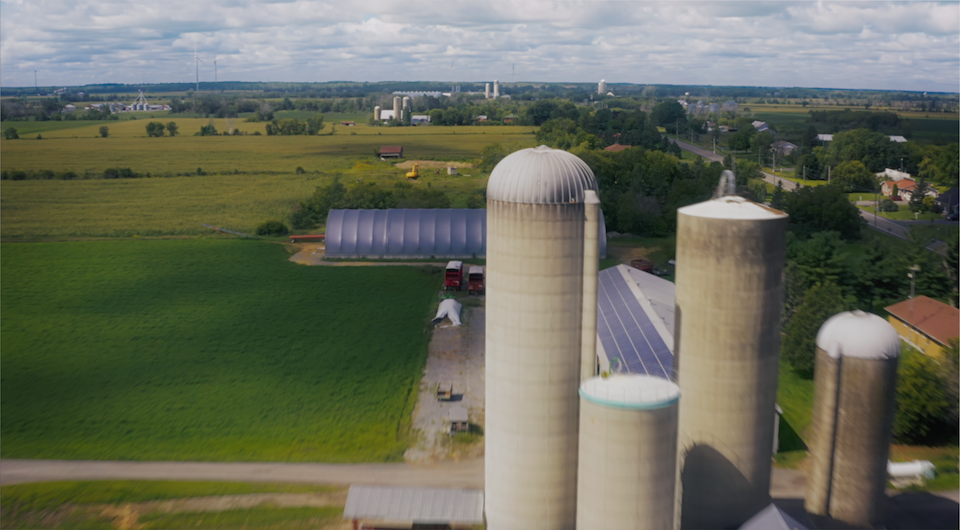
<point>535,237</point>
<point>496,88</point>
<point>730,255</point>
<point>628,453</point>
<point>854,384</point>
<point>396,108</point>
<point>376,113</point>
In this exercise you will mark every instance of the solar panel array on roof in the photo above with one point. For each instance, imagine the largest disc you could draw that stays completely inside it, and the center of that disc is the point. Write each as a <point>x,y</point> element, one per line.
<point>413,233</point>
<point>626,331</point>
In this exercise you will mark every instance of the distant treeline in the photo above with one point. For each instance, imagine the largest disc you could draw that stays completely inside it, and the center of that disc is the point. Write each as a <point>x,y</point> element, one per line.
<point>838,120</point>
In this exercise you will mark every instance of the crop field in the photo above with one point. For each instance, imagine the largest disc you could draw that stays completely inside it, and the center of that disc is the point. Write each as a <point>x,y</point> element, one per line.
<point>128,146</point>
<point>206,350</point>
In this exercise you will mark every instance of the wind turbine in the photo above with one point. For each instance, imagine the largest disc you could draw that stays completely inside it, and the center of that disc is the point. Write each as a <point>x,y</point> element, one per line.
<point>197,60</point>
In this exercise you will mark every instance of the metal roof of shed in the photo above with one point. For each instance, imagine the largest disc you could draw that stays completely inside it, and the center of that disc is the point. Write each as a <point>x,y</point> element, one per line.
<point>414,505</point>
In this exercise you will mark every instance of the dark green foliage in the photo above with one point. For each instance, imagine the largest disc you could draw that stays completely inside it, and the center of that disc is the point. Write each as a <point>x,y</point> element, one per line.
<point>299,171</point>
<point>875,150</point>
<point>335,196</point>
<point>10,133</point>
<point>887,205</point>
<point>922,399</point>
<point>669,114</point>
<point>779,199</point>
<point>853,176</point>
<point>206,350</point>
<point>172,128</point>
<point>208,130</point>
<point>815,209</point>
<point>272,228</point>
<point>104,131</point>
<point>808,168</point>
<point>820,302</point>
<point>838,120</point>
<point>120,173</point>
<point>490,156</point>
<point>155,129</point>
<point>290,126</point>
<point>918,195</point>
<point>880,276</point>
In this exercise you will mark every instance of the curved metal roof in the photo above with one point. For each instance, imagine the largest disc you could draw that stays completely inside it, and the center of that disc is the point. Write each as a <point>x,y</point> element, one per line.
<point>858,334</point>
<point>540,175</point>
<point>414,233</point>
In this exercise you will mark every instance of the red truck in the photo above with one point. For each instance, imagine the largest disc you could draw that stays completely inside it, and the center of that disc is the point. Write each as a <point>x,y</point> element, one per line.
<point>453,279</point>
<point>475,279</point>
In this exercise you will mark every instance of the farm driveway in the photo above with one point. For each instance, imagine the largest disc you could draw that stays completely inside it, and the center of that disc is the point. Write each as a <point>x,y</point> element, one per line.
<point>464,474</point>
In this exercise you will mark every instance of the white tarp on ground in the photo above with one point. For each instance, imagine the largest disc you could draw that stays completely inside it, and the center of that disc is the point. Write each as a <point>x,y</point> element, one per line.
<point>449,308</point>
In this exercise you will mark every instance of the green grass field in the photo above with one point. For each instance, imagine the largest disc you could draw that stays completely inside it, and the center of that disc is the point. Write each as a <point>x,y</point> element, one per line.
<point>207,350</point>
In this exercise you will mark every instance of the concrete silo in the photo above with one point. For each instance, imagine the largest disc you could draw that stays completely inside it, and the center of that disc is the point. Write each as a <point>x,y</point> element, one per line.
<point>376,113</point>
<point>496,88</point>
<point>534,290</point>
<point>591,268</point>
<point>854,386</point>
<point>730,256</point>
<point>486,91</point>
<point>396,108</point>
<point>602,87</point>
<point>628,453</point>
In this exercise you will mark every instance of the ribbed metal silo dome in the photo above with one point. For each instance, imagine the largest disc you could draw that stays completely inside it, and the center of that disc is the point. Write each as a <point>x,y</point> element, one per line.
<point>534,311</point>
<point>854,385</point>
<point>541,175</point>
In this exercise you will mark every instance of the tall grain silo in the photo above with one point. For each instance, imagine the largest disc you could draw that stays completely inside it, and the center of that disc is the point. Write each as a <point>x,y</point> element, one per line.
<point>730,256</point>
<point>854,386</point>
<point>602,87</point>
<point>376,113</point>
<point>496,88</point>
<point>396,108</point>
<point>591,268</point>
<point>486,91</point>
<point>628,453</point>
<point>534,294</point>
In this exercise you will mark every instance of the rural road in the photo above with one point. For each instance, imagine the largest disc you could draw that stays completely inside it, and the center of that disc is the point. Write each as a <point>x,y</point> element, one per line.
<point>713,157</point>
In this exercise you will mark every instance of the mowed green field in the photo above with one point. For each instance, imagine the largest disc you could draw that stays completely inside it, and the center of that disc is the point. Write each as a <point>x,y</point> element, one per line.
<point>206,349</point>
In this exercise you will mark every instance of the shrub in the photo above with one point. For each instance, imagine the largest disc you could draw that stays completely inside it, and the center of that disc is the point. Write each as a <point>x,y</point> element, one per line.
<point>887,205</point>
<point>922,399</point>
<point>272,228</point>
<point>155,129</point>
<point>104,131</point>
<point>10,133</point>
<point>300,170</point>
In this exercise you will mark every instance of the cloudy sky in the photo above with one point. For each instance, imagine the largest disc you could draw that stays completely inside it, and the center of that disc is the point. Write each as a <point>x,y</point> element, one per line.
<point>874,45</point>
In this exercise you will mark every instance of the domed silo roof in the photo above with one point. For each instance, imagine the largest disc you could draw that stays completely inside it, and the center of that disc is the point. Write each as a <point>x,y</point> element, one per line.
<point>859,334</point>
<point>541,175</point>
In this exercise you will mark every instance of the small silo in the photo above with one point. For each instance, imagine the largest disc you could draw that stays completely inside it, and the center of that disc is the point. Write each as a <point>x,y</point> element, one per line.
<point>486,91</point>
<point>628,453</point>
<point>396,108</point>
<point>406,103</point>
<point>602,87</point>
<point>730,256</point>
<point>496,88</point>
<point>534,303</point>
<point>854,386</point>
<point>376,113</point>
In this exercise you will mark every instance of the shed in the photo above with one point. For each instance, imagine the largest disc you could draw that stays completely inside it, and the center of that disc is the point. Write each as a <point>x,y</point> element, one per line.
<point>451,171</point>
<point>413,233</point>
<point>408,507</point>
<point>925,323</point>
<point>459,420</point>
<point>347,123</point>
<point>391,151</point>
<point>444,391</point>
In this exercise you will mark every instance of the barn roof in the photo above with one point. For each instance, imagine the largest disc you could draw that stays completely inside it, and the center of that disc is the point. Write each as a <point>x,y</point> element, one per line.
<point>391,504</point>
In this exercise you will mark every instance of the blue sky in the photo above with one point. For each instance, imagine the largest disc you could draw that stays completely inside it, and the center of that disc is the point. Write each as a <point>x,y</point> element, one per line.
<point>873,45</point>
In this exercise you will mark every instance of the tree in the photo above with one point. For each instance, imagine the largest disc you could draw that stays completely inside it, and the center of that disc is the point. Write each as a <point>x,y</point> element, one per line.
<point>155,129</point>
<point>10,133</point>
<point>669,113</point>
<point>819,208</point>
<point>315,124</point>
<point>172,128</point>
<point>918,194</point>
<point>778,201</point>
<point>104,131</point>
<point>853,176</point>
<point>808,168</point>
<point>208,130</point>
<point>820,302</point>
<point>272,228</point>
<point>922,399</point>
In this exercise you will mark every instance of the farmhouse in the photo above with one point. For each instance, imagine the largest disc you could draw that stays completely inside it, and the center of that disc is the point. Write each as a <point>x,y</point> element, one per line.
<point>391,151</point>
<point>925,324</point>
<point>886,189</point>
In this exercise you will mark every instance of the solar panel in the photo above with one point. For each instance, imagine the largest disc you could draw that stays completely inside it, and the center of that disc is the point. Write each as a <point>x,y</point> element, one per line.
<point>625,329</point>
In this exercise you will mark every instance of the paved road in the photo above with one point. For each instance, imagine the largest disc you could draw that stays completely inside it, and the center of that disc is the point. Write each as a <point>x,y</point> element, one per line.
<point>714,157</point>
<point>464,474</point>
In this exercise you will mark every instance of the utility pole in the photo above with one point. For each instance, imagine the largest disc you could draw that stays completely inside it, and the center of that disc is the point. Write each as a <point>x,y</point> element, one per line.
<point>913,276</point>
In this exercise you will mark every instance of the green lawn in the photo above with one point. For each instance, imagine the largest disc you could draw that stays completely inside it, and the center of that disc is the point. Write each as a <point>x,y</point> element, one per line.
<point>261,517</point>
<point>904,214</point>
<point>206,350</point>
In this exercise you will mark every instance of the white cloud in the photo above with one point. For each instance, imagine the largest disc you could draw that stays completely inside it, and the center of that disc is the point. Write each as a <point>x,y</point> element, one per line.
<point>883,45</point>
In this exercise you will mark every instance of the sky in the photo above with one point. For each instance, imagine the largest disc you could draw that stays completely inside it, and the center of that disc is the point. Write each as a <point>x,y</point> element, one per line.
<point>864,45</point>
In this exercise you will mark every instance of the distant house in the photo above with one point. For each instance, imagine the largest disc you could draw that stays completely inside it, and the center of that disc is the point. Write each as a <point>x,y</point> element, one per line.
<point>784,148</point>
<point>761,126</point>
<point>886,189</point>
<point>616,147</point>
<point>69,108</point>
<point>419,119</point>
<point>893,174</point>
<point>391,151</point>
<point>510,118</point>
<point>948,200</point>
<point>825,137</point>
<point>925,324</point>
<point>906,190</point>
<point>482,118</point>
<point>347,123</point>
<point>898,139</point>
